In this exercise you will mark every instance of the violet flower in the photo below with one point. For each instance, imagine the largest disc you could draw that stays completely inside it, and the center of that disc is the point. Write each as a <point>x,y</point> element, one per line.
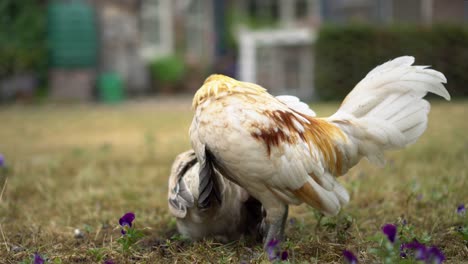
<point>273,251</point>
<point>404,222</point>
<point>292,221</point>
<point>461,210</point>
<point>434,255</point>
<point>403,251</point>
<point>284,255</point>
<point>390,231</point>
<point>126,221</point>
<point>421,252</point>
<point>349,257</point>
<point>38,259</point>
<point>2,161</point>
<point>419,197</point>
<point>109,261</point>
<point>419,249</point>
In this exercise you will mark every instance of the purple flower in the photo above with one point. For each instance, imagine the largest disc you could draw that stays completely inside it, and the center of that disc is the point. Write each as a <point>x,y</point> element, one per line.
<point>273,243</point>
<point>2,160</point>
<point>109,261</point>
<point>292,221</point>
<point>404,222</point>
<point>349,257</point>
<point>434,255</point>
<point>421,252</point>
<point>403,251</point>
<point>419,197</point>
<point>461,210</point>
<point>419,249</point>
<point>284,255</point>
<point>273,251</point>
<point>126,221</point>
<point>272,248</point>
<point>390,231</point>
<point>38,259</point>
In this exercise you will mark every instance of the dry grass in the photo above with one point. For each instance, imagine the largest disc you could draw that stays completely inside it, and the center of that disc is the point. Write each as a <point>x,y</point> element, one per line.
<point>84,166</point>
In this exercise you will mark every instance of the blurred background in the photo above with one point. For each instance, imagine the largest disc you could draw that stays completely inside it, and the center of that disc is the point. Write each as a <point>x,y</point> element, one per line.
<point>74,157</point>
<point>112,50</point>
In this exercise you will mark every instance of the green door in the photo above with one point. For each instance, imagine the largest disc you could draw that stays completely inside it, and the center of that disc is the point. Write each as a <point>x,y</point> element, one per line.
<point>72,35</point>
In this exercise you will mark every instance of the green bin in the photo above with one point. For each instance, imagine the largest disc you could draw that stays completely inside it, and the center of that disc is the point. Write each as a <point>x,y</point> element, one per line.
<point>110,88</point>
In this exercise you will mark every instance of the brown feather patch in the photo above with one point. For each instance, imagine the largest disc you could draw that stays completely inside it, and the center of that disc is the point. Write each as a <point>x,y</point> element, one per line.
<point>317,132</point>
<point>274,136</point>
<point>318,180</point>
<point>308,195</point>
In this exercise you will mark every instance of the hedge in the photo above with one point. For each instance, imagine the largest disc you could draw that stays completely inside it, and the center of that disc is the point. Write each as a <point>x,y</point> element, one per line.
<point>345,54</point>
<point>22,37</point>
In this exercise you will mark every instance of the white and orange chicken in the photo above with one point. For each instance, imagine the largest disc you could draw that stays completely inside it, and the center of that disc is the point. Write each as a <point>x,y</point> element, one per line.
<point>282,154</point>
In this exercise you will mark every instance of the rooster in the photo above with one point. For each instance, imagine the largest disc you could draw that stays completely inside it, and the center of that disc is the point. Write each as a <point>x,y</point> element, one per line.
<point>281,153</point>
<point>207,205</point>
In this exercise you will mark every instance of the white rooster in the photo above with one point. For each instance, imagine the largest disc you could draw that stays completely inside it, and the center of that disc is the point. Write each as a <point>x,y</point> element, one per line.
<point>282,154</point>
<point>207,205</point>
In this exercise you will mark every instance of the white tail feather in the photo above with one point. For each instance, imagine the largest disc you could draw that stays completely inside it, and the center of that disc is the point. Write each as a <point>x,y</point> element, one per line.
<point>386,109</point>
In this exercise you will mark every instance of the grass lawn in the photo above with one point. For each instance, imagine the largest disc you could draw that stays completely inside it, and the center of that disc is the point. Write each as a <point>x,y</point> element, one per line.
<point>83,166</point>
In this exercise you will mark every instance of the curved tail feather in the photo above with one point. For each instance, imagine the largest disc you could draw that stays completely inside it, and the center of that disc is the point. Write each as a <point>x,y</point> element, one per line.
<point>386,110</point>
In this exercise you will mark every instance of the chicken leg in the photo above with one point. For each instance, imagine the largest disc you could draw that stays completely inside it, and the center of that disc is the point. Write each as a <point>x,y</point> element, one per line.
<point>274,224</point>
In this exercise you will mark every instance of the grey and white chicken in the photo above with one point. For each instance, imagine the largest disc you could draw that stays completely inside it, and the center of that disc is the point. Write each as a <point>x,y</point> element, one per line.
<point>207,205</point>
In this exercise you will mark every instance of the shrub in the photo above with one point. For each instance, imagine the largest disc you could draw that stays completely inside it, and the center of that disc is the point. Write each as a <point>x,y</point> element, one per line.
<point>22,37</point>
<point>168,70</point>
<point>345,54</point>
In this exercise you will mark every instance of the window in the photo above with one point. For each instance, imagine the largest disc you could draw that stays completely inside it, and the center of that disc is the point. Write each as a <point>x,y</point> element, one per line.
<point>199,41</point>
<point>156,28</point>
<point>302,8</point>
<point>269,12</point>
<point>263,10</point>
